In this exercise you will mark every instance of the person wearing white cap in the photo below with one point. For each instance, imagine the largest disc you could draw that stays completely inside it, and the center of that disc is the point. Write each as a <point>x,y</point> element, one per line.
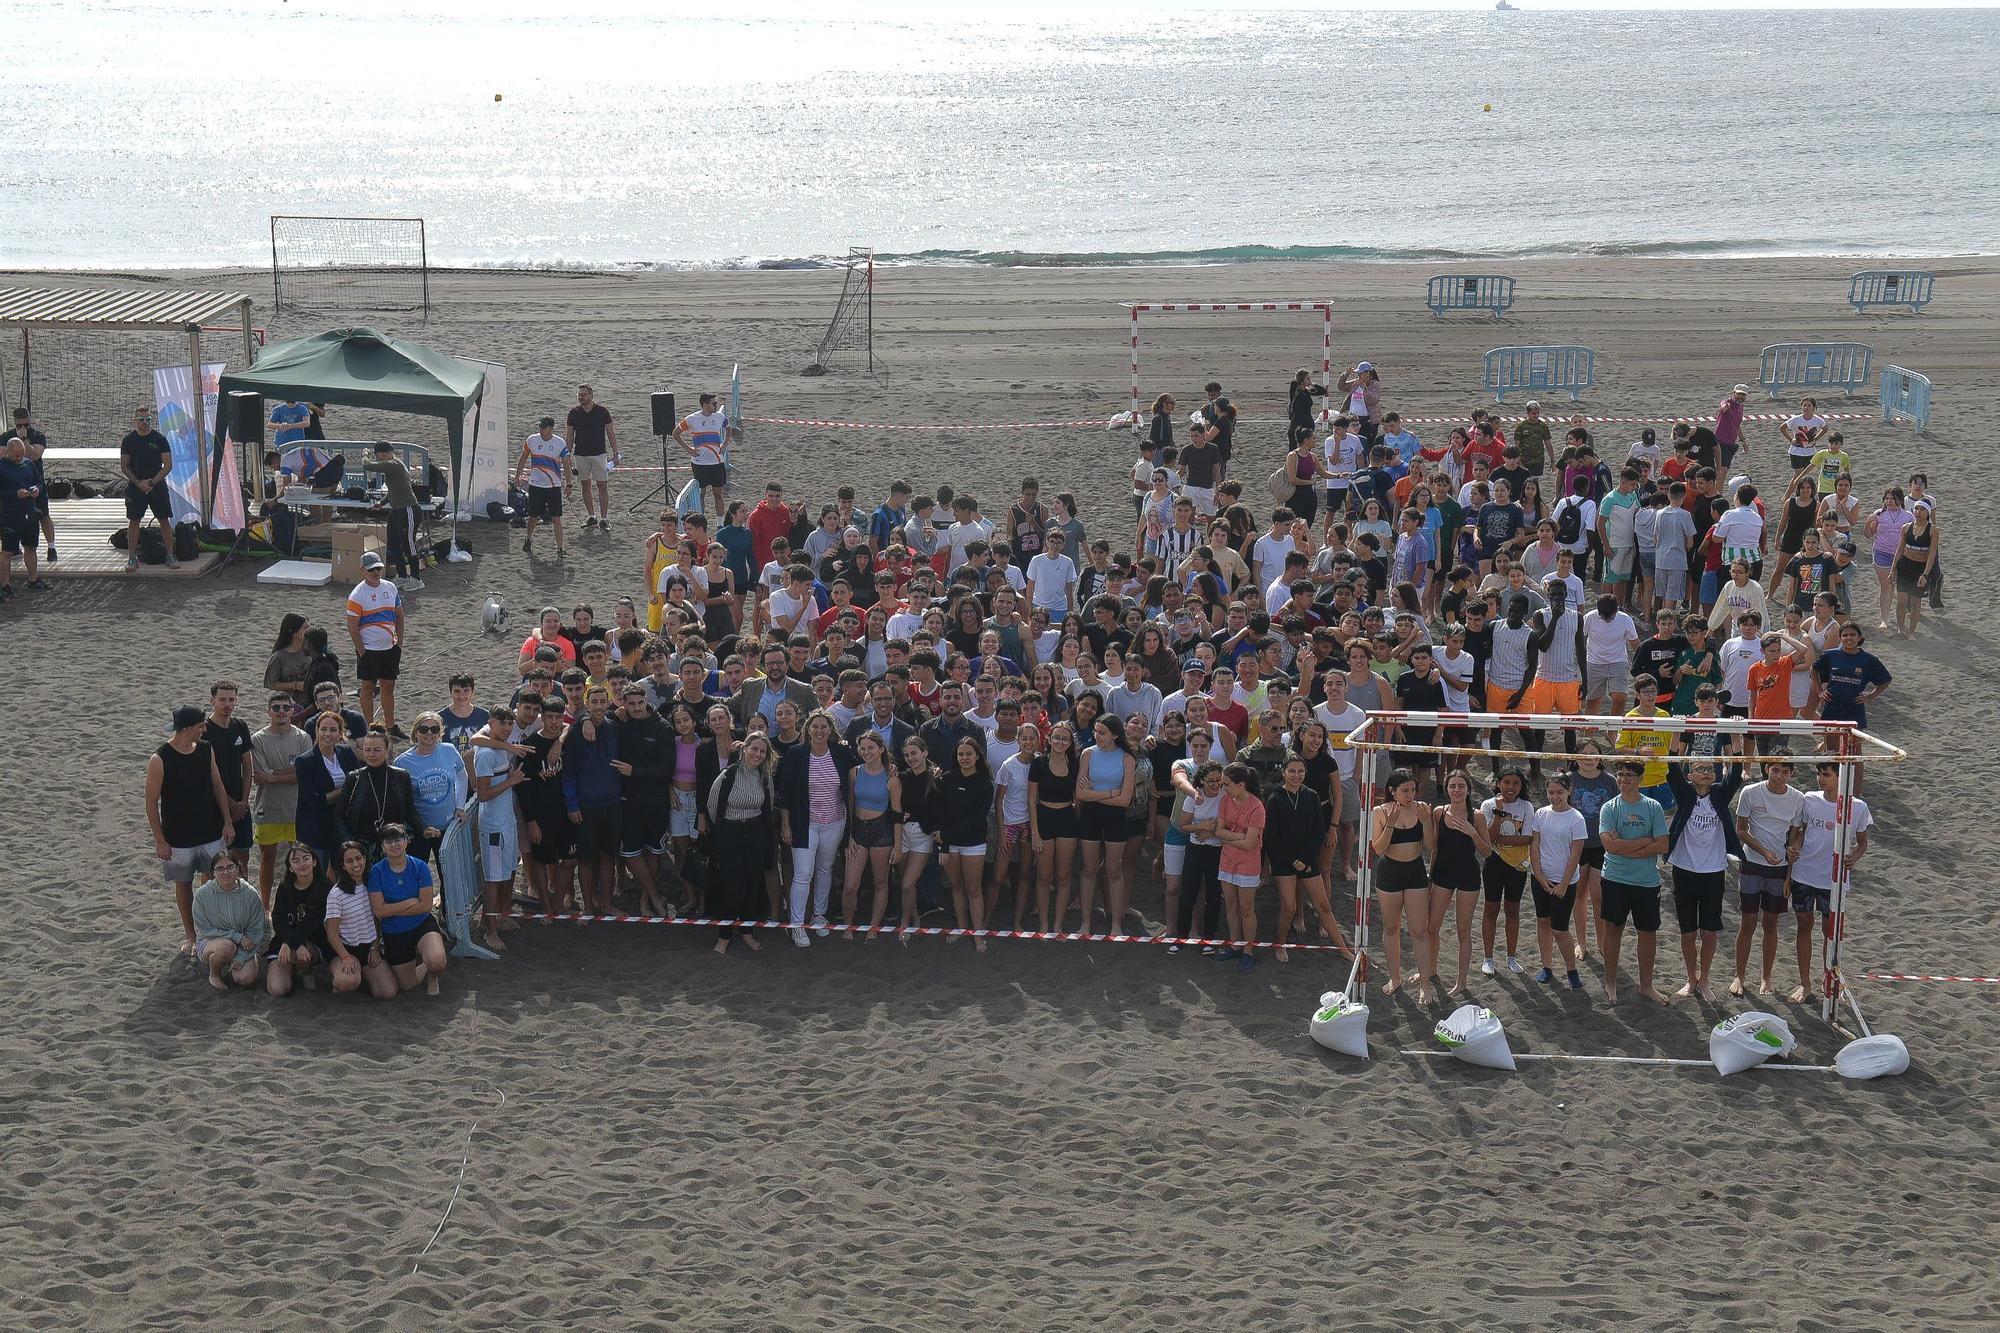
<point>1362,389</point>
<point>1729,423</point>
<point>375,624</point>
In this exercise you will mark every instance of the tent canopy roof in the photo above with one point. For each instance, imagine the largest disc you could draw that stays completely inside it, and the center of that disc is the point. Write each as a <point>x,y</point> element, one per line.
<point>363,368</point>
<point>127,310</point>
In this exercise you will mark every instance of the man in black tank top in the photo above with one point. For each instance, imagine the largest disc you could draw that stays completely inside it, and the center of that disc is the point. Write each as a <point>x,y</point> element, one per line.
<point>188,810</point>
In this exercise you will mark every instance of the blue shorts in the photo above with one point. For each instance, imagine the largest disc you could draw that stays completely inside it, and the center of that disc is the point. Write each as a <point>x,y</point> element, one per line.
<point>1808,898</point>
<point>1711,583</point>
<point>1662,793</point>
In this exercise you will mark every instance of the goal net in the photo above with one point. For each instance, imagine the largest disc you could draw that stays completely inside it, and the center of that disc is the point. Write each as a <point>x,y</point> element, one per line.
<point>1241,363</point>
<point>327,263</point>
<point>82,387</point>
<point>848,343</point>
<point>1388,738</point>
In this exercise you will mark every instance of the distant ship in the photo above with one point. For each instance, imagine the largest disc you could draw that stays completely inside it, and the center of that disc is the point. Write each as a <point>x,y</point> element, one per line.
<point>1504,5</point>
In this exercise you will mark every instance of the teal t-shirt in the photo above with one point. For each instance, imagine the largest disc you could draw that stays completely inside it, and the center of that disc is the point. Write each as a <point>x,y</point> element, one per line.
<point>1643,818</point>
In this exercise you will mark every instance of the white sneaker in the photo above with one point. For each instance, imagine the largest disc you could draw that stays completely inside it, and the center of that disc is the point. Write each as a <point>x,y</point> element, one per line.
<point>410,585</point>
<point>1514,964</point>
<point>800,938</point>
<point>821,928</point>
<point>1486,968</point>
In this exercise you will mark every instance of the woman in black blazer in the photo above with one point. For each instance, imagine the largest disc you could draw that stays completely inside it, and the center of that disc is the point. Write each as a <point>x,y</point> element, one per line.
<point>319,788</point>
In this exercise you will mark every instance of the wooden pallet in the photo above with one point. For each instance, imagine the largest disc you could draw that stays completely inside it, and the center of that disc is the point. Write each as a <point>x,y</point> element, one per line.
<point>83,541</point>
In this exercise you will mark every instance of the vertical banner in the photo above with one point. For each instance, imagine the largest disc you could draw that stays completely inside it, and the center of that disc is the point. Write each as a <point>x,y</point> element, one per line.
<point>174,397</point>
<point>489,452</point>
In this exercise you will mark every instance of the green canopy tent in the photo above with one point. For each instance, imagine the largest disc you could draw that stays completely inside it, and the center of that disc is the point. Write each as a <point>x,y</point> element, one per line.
<point>364,368</point>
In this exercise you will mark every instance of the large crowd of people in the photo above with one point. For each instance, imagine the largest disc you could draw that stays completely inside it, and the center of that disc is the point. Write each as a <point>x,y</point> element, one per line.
<point>939,705</point>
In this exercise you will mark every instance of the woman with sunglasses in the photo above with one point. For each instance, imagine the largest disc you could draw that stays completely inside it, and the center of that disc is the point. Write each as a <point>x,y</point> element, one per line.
<point>375,795</point>
<point>298,921</point>
<point>438,783</point>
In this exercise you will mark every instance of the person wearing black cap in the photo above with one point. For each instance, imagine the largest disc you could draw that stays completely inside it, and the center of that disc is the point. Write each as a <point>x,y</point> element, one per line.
<point>188,810</point>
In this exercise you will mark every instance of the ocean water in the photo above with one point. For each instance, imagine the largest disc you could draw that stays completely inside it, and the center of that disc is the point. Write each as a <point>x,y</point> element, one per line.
<point>165,134</point>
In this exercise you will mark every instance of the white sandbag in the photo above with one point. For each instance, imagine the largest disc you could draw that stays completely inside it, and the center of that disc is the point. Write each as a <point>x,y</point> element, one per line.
<point>1341,1025</point>
<point>1748,1040</point>
<point>1475,1036</point>
<point>1878,1056</point>
<point>1123,421</point>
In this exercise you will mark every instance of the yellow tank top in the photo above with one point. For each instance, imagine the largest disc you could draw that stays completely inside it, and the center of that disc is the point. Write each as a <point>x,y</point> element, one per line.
<point>1633,740</point>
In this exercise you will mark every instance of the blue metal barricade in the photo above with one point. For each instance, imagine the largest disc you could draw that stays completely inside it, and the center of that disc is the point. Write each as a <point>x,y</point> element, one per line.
<point>1906,395</point>
<point>1470,291</point>
<point>1788,366</point>
<point>458,864</point>
<point>1881,286</point>
<point>1568,370</point>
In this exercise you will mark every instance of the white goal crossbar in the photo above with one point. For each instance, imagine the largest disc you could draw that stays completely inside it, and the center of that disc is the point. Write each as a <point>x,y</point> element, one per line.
<point>1325,309</point>
<point>1842,743</point>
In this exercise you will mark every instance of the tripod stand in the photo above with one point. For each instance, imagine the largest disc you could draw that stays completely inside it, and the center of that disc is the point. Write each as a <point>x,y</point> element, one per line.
<point>661,489</point>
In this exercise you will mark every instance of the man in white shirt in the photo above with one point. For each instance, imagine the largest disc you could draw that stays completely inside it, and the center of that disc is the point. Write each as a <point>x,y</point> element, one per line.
<point>1736,656</point>
<point>1340,717</point>
<point>967,529</point>
<point>1340,454</point>
<point>1051,581</point>
<point>1770,822</point>
<point>1576,514</point>
<point>792,609</point>
<point>1741,530</point>
<point>1267,556</point>
<point>910,619</point>
<point>1812,869</point>
<point>546,464</point>
<point>1609,637</point>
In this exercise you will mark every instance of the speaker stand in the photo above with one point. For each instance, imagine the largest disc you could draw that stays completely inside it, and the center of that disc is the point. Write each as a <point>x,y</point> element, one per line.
<point>659,490</point>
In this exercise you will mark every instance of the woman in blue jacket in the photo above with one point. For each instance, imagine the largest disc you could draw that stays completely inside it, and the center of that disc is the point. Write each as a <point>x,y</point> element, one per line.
<point>322,773</point>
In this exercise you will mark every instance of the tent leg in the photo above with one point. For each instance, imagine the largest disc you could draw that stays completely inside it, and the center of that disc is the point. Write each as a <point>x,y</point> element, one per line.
<point>200,431</point>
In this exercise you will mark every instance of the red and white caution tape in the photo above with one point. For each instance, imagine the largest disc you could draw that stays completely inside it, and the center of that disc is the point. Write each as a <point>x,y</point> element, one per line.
<point>1927,976</point>
<point>1098,423</point>
<point>946,932</point>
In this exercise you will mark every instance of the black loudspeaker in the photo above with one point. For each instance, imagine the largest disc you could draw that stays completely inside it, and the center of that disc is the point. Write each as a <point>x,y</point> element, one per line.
<point>246,417</point>
<point>664,419</point>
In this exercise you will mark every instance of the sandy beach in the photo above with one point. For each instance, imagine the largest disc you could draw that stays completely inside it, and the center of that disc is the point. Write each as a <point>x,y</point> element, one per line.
<point>1049,1136</point>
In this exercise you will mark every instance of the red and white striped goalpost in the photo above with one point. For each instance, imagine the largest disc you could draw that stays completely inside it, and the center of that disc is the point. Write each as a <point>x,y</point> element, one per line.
<point>1842,743</point>
<point>1325,309</point>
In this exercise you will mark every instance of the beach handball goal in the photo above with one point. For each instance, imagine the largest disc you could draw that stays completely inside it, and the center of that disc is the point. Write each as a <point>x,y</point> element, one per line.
<point>848,341</point>
<point>1380,742</point>
<point>333,263</point>
<point>1323,308</point>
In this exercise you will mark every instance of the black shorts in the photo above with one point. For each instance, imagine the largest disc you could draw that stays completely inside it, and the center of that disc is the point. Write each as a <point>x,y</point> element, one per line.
<point>878,831</point>
<point>642,828</point>
<point>321,952</point>
<point>545,502</point>
<point>1810,898</point>
<point>18,531</point>
<point>1098,822</point>
<point>712,474</point>
<point>1698,900</point>
<point>379,663</point>
<point>1503,880</point>
<point>362,952</point>
<point>1459,874</point>
<point>139,503</point>
<point>1761,888</point>
<point>1592,856</point>
<point>1640,904</point>
<point>1552,909</point>
<point>558,843</point>
<point>401,948</point>
<point>1393,876</point>
<point>599,834</point>
<point>1056,821</point>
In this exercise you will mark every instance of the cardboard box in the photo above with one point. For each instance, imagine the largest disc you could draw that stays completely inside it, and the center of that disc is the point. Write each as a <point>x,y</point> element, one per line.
<point>350,543</point>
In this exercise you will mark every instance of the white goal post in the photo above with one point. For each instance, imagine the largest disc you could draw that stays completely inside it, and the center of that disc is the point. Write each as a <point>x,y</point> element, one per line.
<point>1842,743</point>
<point>1325,309</point>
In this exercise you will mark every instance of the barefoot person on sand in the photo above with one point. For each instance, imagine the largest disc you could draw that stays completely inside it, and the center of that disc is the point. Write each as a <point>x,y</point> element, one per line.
<point>404,896</point>
<point>229,924</point>
<point>188,810</point>
<point>351,932</point>
<point>1699,843</point>
<point>1555,851</point>
<point>1398,838</point>
<point>1770,818</point>
<point>1633,829</point>
<point>1812,872</point>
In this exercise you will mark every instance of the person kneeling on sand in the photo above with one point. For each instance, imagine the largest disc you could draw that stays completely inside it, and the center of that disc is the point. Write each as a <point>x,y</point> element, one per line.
<point>351,935</point>
<point>229,925</point>
<point>405,897</point>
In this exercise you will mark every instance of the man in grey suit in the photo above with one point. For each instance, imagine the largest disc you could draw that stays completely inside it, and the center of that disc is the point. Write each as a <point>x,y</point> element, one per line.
<point>763,696</point>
